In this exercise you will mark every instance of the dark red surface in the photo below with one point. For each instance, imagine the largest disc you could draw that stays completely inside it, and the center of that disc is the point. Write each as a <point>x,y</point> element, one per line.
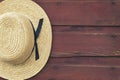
<point>86,40</point>
<point>82,12</point>
<point>81,68</point>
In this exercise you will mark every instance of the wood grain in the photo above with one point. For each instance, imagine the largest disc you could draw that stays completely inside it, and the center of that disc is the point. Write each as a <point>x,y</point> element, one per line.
<point>82,12</point>
<point>70,41</point>
<point>81,68</point>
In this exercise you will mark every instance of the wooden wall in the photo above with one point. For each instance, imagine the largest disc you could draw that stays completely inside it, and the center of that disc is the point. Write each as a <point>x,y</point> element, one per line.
<point>86,40</point>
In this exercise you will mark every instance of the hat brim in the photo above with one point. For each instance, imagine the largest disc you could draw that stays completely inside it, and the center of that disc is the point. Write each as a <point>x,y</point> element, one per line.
<point>31,67</point>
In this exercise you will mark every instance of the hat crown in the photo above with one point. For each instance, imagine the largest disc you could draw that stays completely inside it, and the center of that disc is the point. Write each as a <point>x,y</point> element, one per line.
<point>16,38</point>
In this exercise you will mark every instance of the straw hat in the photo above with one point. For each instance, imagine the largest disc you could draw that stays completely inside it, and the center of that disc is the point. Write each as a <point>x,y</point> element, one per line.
<point>25,39</point>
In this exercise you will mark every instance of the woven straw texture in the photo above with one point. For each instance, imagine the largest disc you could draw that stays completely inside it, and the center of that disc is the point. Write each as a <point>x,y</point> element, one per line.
<point>17,39</point>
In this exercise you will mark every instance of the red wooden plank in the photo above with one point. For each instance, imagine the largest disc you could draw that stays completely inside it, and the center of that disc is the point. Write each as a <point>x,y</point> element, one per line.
<point>80,12</point>
<point>78,0</point>
<point>85,41</point>
<point>81,68</point>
